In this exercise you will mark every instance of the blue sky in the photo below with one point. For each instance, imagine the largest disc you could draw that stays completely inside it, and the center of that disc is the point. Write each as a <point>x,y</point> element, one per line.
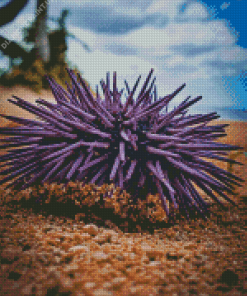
<point>201,43</point>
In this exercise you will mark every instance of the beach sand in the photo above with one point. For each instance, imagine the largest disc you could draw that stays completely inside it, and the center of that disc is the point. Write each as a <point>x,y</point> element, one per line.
<point>54,255</point>
<point>25,93</point>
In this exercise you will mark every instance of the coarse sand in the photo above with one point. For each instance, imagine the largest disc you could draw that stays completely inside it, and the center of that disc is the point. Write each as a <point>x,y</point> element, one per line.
<point>63,252</point>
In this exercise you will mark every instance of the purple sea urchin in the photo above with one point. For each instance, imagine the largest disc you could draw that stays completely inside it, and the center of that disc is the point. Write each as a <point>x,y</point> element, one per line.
<point>89,139</point>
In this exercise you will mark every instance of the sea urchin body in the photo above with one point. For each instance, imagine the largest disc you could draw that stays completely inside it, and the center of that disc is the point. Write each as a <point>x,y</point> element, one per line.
<point>132,144</point>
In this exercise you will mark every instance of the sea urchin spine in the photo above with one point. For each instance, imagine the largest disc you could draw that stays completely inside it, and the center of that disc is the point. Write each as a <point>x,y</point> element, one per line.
<point>91,139</point>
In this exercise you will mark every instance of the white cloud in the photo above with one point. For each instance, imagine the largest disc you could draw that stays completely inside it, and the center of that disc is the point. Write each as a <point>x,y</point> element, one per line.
<point>203,34</point>
<point>196,10</point>
<point>194,51</point>
<point>236,54</point>
<point>220,33</point>
<point>169,7</point>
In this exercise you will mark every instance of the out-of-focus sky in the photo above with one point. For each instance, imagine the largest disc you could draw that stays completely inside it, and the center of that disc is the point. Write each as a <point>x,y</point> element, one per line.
<point>201,43</point>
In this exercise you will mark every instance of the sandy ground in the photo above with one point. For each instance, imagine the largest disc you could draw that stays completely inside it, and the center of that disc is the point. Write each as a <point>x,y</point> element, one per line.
<point>60,254</point>
<point>25,93</point>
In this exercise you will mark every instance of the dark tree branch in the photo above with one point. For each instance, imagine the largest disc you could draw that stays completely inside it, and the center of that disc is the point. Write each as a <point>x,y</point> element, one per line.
<point>9,12</point>
<point>12,49</point>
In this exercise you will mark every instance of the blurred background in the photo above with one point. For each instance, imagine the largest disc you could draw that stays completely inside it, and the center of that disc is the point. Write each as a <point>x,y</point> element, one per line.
<point>200,43</point>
